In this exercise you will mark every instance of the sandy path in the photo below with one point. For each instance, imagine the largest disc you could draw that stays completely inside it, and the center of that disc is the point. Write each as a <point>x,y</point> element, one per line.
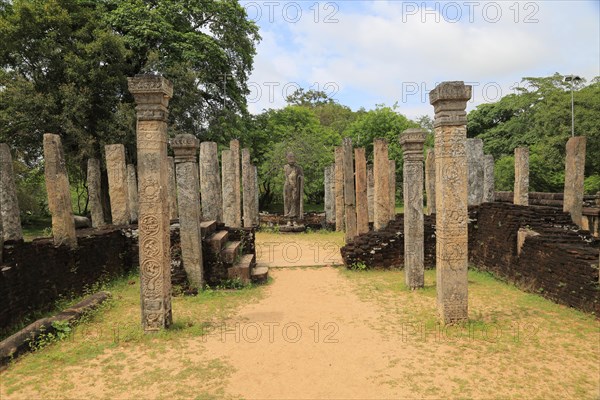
<point>296,251</point>
<point>279,354</point>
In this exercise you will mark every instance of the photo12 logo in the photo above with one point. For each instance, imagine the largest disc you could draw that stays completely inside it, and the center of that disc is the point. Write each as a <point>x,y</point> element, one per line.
<point>470,11</point>
<point>274,92</point>
<point>291,12</point>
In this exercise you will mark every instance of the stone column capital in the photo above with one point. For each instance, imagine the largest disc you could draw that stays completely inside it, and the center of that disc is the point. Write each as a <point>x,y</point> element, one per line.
<point>412,142</point>
<point>151,94</point>
<point>185,146</point>
<point>449,100</point>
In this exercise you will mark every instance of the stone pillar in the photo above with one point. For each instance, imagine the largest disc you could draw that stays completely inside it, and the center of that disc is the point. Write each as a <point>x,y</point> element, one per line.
<point>185,147</point>
<point>256,197</point>
<point>248,188</point>
<point>370,191</point>
<point>521,191</point>
<point>94,179</point>
<point>117,183</point>
<point>228,179</point>
<point>339,189</point>
<point>329,176</point>
<point>349,194</point>
<point>133,192</point>
<point>381,171</point>
<point>234,146</point>
<point>392,183</point>
<point>172,186</point>
<point>449,100</point>
<point>412,141</point>
<point>59,193</point>
<point>475,170</point>
<point>430,181</point>
<point>574,176</point>
<point>362,207</point>
<point>152,94</point>
<point>210,182</point>
<point>489,187</point>
<point>9,204</point>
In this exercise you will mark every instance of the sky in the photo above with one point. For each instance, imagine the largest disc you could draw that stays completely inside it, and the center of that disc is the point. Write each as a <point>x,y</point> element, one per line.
<point>364,53</point>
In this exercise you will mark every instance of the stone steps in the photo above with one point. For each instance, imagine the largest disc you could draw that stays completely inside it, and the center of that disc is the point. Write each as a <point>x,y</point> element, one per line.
<point>232,252</point>
<point>217,240</point>
<point>207,228</point>
<point>259,274</point>
<point>241,270</point>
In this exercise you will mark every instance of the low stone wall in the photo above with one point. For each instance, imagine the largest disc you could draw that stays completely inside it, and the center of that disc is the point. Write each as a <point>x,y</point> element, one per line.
<point>545,199</point>
<point>36,274</point>
<point>310,220</point>
<point>385,248</point>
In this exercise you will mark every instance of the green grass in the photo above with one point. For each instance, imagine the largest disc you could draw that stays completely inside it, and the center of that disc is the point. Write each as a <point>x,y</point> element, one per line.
<point>35,227</point>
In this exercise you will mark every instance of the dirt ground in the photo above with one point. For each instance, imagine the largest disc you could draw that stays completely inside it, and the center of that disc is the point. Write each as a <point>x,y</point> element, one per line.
<point>324,333</point>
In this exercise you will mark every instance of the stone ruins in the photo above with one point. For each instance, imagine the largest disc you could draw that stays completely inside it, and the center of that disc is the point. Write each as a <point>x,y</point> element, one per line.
<point>293,195</point>
<point>117,183</point>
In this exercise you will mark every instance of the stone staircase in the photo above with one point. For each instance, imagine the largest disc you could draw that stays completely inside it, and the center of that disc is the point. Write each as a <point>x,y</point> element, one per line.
<point>226,258</point>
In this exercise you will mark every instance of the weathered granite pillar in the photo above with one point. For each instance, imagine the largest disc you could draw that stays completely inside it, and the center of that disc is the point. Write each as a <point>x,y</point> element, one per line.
<point>228,180</point>
<point>133,192</point>
<point>521,190</point>
<point>392,183</point>
<point>362,207</point>
<point>152,94</point>
<point>349,194</point>
<point>94,179</point>
<point>475,170</point>
<point>412,141</point>
<point>59,193</point>
<point>370,191</point>
<point>381,170</point>
<point>574,177</point>
<point>117,183</point>
<point>9,204</point>
<point>248,189</point>
<point>489,187</point>
<point>449,100</point>
<point>328,183</point>
<point>234,146</point>
<point>210,182</point>
<point>339,189</point>
<point>172,185</point>
<point>430,181</point>
<point>256,196</point>
<point>185,147</point>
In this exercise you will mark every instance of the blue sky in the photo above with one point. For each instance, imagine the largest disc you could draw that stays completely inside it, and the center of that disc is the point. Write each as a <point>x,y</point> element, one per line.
<point>365,53</point>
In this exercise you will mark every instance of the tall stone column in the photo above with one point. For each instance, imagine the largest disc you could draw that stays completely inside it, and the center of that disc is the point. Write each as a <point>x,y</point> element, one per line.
<point>475,169</point>
<point>234,146</point>
<point>185,147</point>
<point>256,196</point>
<point>489,187</point>
<point>172,185</point>
<point>59,193</point>
<point>381,170</point>
<point>228,180</point>
<point>412,141</point>
<point>370,191</point>
<point>152,94</point>
<point>392,183</point>
<point>210,182</point>
<point>574,176</point>
<point>9,204</point>
<point>117,183</point>
<point>349,194</point>
<point>430,181</point>
<point>94,179</point>
<point>329,177</point>
<point>362,207</point>
<point>132,188</point>
<point>248,189</point>
<point>521,191</point>
<point>339,189</point>
<point>449,100</point>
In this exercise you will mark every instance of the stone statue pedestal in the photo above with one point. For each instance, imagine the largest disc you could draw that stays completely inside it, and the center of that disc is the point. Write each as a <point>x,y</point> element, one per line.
<point>298,228</point>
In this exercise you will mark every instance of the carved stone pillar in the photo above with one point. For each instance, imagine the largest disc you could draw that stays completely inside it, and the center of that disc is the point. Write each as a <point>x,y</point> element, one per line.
<point>349,195</point>
<point>132,187</point>
<point>381,170</point>
<point>412,141</point>
<point>449,100</point>
<point>210,182</point>
<point>362,208</point>
<point>152,94</point>
<point>94,179</point>
<point>185,147</point>
<point>489,187</point>
<point>521,191</point>
<point>117,183</point>
<point>430,181</point>
<point>392,183</point>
